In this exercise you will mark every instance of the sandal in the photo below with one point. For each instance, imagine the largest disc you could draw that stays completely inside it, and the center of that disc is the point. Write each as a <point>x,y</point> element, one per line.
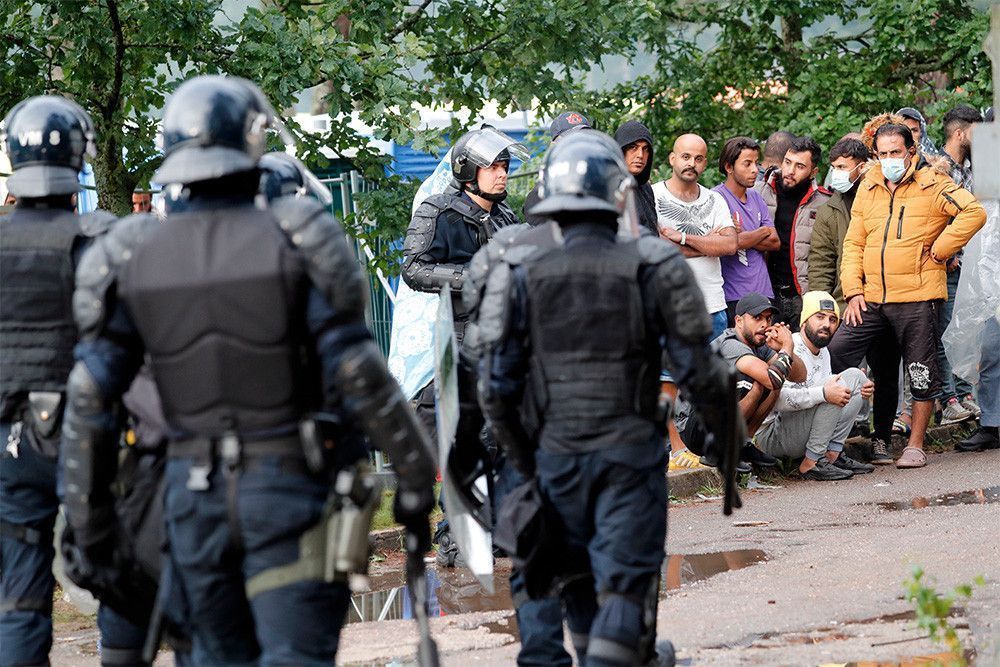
<point>900,427</point>
<point>912,458</point>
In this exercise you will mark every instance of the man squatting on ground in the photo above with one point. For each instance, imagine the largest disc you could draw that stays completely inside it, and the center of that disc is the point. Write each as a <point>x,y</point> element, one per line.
<point>812,419</point>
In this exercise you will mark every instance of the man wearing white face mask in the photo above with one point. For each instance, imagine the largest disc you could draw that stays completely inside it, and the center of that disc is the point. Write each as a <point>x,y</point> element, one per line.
<point>908,218</point>
<point>847,162</point>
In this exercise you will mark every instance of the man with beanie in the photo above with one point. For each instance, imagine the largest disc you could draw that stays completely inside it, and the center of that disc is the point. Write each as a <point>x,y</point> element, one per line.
<point>812,419</point>
<point>637,147</point>
<point>567,121</point>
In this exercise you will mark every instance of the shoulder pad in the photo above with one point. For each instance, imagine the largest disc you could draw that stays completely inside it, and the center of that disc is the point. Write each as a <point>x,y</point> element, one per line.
<point>99,267</point>
<point>494,312</point>
<point>507,213</point>
<point>494,252</point>
<point>654,250</point>
<point>433,205</point>
<point>331,262</point>
<point>96,222</point>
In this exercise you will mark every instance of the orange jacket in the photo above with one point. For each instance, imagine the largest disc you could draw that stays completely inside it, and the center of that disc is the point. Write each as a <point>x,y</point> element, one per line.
<point>887,250</point>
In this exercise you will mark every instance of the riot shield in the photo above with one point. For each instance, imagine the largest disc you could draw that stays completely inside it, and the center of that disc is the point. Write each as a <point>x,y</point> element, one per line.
<point>464,498</point>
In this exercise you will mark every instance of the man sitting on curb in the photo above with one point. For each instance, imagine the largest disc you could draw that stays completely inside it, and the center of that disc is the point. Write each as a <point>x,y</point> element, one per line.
<point>763,354</point>
<point>813,418</point>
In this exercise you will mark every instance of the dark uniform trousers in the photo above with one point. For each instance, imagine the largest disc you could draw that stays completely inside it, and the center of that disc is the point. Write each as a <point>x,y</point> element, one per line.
<point>28,506</point>
<point>612,506</point>
<point>294,624</point>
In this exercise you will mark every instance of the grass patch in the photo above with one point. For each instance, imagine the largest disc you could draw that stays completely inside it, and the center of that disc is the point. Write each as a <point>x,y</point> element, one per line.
<point>383,515</point>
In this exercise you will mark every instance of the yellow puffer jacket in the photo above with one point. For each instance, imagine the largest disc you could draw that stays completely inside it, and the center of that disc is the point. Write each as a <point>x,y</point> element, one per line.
<point>888,247</point>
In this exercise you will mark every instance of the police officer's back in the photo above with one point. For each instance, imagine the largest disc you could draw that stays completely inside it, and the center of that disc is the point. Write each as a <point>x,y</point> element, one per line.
<point>47,139</point>
<point>582,325</point>
<point>252,320</point>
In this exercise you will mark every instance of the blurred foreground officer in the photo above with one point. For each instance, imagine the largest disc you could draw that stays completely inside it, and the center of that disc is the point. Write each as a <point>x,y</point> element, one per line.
<point>584,326</point>
<point>253,322</point>
<point>40,243</point>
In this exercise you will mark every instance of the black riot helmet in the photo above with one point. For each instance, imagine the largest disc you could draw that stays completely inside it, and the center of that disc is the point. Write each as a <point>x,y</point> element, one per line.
<point>282,175</point>
<point>479,149</point>
<point>46,139</point>
<point>585,171</point>
<point>214,126</point>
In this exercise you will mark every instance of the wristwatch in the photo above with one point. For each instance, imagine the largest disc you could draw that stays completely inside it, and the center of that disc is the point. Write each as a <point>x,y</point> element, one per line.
<point>684,238</point>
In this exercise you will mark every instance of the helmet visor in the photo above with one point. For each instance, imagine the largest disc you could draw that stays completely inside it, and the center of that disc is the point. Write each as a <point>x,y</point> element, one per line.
<point>486,146</point>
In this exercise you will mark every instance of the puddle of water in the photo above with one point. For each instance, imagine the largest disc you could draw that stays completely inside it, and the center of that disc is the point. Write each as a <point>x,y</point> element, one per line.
<point>456,591</point>
<point>989,494</point>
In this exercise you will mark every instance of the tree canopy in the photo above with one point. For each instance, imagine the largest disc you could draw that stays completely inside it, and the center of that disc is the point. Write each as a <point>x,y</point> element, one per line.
<point>721,67</point>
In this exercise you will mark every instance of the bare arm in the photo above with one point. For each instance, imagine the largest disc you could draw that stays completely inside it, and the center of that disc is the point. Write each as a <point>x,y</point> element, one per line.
<point>764,239</point>
<point>718,243</point>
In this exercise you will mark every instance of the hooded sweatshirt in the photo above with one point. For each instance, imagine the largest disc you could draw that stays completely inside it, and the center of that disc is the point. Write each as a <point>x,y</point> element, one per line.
<point>926,143</point>
<point>630,132</point>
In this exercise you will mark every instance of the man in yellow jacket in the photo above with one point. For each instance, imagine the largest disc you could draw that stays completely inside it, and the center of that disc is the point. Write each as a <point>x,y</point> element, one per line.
<point>908,218</point>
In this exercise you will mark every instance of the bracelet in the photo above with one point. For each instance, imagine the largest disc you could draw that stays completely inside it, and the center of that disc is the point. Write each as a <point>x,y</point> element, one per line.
<point>684,238</point>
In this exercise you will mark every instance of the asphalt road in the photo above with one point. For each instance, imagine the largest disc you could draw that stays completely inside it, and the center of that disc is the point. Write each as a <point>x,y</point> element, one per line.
<point>827,589</point>
<point>830,591</point>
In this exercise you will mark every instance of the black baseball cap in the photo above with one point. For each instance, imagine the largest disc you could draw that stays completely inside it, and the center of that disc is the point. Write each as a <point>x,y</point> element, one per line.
<point>566,121</point>
<point>753,303</point>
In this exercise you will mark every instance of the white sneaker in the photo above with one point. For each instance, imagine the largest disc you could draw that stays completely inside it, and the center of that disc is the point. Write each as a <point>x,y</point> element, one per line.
<point>969,403</point>
<point>954,413</point>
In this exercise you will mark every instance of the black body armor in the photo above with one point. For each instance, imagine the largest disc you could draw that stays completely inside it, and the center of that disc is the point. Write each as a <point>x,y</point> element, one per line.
<point>594,377</point>
<point>214,294</point>
<point>37,331</point>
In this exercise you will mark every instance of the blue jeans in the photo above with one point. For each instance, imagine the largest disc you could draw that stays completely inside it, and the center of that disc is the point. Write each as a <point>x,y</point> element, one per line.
<point>28,500</point>
<point>989,374</point>
<point>952,386</point>
<point>295,624</point>
<point>611,506</point>
<point>538,621</point>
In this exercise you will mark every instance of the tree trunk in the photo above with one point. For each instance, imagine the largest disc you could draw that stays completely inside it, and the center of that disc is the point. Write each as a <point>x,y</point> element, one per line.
<point>114,183</point>
<point>791,38</point>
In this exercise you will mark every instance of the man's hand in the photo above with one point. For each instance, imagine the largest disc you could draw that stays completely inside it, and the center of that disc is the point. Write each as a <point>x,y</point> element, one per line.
<point>867,390</point>
<point>836,393</point>
<point>779,337</point>
<point>855,306</point>
<point>670,234</point>
<point>953,264</point>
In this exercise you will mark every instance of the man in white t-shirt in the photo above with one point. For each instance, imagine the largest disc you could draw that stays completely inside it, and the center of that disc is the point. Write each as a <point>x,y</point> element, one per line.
<point>697,219</point>
<point>812,419</point>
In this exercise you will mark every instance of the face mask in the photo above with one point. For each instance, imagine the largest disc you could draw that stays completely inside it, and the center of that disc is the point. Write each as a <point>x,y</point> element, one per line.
<point>893,168</point>
<point>840,180</point>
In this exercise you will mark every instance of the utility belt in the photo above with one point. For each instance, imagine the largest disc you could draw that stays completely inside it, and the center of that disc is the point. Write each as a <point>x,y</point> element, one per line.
<point>333,549</point>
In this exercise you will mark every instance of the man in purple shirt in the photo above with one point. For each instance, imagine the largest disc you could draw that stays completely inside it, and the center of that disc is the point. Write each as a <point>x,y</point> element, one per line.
<point>746,271</point>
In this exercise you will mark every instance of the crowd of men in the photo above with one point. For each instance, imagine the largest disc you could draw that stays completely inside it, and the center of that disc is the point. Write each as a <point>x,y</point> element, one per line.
<point>771,229</point>
<point>200,393</point>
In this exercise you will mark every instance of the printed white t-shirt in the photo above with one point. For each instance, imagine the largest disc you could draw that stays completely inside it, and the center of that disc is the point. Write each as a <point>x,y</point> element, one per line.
<point>697,218</point>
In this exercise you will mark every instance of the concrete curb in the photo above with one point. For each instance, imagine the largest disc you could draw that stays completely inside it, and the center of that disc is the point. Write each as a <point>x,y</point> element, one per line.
<point>685,484</point>
<point>387,539</point>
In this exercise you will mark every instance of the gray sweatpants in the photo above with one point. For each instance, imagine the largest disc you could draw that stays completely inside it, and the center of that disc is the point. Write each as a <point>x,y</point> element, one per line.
<point>814,431</point>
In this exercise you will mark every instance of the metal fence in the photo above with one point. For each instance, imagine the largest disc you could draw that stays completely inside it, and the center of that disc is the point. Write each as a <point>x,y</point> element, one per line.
<point>381,291</point>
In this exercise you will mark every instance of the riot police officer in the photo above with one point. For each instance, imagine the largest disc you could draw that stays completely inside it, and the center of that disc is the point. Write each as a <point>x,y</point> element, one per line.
<point>584,326</point>
<point>47,139</point>
<point>445,232</point>
<point>252,320</point>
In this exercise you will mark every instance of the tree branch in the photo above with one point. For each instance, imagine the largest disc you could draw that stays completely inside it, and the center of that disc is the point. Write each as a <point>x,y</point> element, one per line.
<point>469,51</point>
<point>408,22</point>
<point>114,100</point>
